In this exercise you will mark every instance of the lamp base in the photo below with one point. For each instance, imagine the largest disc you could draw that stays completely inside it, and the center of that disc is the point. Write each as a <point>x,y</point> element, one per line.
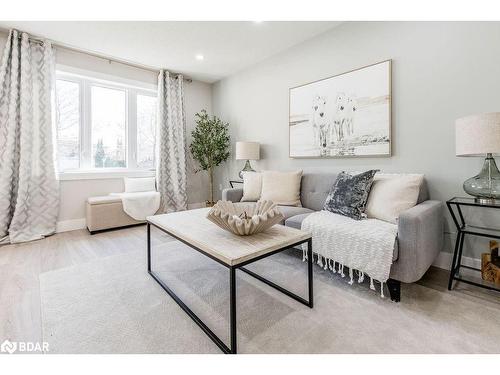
<point>246,168</point>
<point>487,201</point>
<point>486,185</point>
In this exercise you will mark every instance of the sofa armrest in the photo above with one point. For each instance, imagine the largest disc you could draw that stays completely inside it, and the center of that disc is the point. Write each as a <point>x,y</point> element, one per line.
<point>420,239</point>
<point>233,194</point>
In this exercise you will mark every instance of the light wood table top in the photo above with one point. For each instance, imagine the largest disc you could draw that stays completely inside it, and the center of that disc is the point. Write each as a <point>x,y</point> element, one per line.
<point>193,227</point>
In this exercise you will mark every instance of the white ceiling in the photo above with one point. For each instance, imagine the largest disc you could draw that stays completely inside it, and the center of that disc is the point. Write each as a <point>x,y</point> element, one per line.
<point>227,47</point>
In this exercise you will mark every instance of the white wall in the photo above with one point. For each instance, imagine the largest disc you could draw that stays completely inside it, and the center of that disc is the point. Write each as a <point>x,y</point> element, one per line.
<point>441,71</point>
<point>75,192</point>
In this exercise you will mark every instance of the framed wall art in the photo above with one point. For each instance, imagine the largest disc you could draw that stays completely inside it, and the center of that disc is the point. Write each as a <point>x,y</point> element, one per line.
<point>347,115</point>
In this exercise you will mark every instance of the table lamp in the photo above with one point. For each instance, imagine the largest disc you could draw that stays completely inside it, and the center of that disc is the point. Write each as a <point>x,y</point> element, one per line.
<point>247,151</point>
<point>479,135</point>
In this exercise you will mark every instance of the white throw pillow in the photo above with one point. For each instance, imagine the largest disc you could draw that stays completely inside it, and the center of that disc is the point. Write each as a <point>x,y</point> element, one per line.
<point>391,194</point>
<point>282,188</point>
<point>138,184</point>
<point>252,186</point>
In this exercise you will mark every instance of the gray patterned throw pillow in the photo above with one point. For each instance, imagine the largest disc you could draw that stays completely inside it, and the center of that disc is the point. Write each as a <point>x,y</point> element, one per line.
<point>349,194</point>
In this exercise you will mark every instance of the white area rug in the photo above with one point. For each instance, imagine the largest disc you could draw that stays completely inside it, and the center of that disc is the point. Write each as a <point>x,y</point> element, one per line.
<point>112,305</point>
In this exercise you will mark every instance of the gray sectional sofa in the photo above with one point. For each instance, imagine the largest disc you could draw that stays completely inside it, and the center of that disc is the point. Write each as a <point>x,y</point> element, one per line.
<point>420,229</point>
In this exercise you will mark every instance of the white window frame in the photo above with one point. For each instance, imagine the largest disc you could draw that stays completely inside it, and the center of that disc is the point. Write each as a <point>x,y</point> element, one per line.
<point>132,89</point>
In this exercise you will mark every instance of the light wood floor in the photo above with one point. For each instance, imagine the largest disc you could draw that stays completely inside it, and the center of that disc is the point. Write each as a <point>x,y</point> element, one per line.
<point>22,264</point>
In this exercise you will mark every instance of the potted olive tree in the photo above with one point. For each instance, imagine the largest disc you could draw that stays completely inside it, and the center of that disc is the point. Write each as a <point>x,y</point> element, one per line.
<point>210,145</point>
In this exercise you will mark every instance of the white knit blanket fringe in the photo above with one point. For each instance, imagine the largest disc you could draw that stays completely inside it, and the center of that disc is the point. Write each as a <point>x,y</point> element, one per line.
<point>364,246</point>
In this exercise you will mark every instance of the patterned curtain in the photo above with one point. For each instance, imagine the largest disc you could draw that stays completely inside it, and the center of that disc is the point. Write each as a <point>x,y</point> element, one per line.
<point>29,190</point>
<point>171,141</point>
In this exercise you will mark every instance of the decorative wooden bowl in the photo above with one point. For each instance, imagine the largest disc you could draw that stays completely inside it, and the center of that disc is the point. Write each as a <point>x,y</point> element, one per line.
<point>245,219</point>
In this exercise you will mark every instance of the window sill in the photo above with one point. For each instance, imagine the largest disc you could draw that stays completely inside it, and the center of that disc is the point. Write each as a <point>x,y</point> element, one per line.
<point>103,175</point>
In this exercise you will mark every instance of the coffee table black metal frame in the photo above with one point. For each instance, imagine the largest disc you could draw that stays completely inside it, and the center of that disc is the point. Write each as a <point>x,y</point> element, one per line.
<point>232,349</point>
<point>464,229</point>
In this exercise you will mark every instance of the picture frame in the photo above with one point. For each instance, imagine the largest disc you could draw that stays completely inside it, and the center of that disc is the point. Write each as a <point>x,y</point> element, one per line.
<point>343,116</point>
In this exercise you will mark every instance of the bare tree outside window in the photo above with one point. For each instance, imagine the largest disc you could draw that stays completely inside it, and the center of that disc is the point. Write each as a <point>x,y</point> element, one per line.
<point>108,127</point>
<point>68,125</point>
<point>146,131</point>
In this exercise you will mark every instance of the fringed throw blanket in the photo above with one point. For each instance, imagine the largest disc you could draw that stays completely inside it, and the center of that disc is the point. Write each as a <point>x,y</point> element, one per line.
<point>365,246</point>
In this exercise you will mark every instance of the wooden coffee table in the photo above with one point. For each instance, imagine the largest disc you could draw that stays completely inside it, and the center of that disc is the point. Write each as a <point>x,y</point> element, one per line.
<point>233,252</point>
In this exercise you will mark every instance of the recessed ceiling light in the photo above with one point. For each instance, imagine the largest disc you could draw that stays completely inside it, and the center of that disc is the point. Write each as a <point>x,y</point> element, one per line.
<point>199,57</point>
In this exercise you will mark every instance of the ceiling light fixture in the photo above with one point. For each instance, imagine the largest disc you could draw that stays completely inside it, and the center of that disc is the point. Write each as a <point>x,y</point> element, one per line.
<point>199,57</point>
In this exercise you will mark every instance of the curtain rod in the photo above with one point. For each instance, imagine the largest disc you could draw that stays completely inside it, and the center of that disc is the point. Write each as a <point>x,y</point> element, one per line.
<point>101,56</point>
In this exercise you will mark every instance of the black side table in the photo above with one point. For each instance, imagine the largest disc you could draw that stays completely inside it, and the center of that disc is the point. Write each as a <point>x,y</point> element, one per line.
<point>232,182</point>
<point>454,206</point>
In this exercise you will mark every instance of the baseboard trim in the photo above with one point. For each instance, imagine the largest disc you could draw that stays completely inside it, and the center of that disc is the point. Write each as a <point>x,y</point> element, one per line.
<point>69,225</point>
<point>444,259</point>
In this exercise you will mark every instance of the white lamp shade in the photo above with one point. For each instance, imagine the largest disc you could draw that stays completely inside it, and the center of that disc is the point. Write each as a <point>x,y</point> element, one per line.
<point>478,135</point>
<point>247,151</point>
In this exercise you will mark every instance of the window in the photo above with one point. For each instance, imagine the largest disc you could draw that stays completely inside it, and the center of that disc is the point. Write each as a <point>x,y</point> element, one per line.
<point>146,131</point>
<point>103,125</point>
<point>109,127</point>
<point>68,121</point>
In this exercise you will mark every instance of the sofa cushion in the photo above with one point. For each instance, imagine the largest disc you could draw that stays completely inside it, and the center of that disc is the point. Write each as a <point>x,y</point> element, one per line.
<point>232,195</point>
<point>289,211</point>
<point>315,188</point>
<point>349,194</point>
<point>392,194</point>
<point>296,221</point>
<point>252,186</point>
<point>283,188</point>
